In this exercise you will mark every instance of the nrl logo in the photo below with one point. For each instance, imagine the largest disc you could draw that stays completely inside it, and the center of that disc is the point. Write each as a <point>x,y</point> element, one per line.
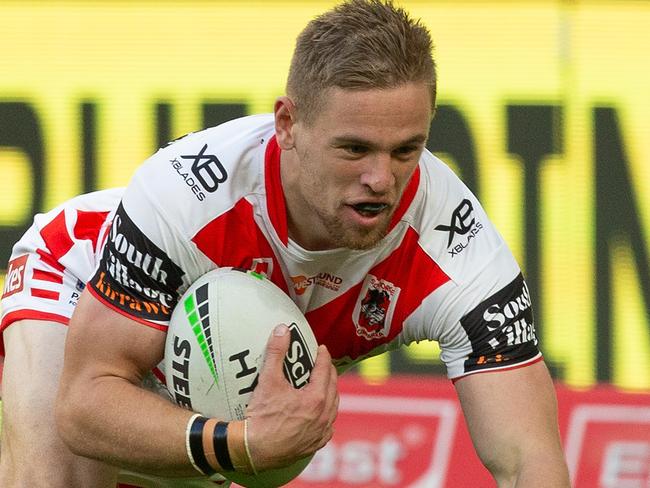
<point>373,313</point>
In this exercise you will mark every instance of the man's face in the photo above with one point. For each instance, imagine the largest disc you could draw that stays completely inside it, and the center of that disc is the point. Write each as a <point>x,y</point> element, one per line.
<point>347,170</point>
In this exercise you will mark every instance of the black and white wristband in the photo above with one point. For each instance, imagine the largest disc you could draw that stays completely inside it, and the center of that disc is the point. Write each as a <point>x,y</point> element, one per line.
<point>194,445</point>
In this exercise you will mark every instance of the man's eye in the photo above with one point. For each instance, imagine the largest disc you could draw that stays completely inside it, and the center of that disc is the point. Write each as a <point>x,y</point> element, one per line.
<point>356,149</point>
<point>405,150</point>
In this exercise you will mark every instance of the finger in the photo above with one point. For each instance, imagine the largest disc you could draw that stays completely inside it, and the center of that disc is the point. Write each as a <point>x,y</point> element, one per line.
<point>276,349</point>
<point>331,391</point>
<point>327,436</point>
<point>332,405</point>
<point>330,412</point>
<point>320,376</point>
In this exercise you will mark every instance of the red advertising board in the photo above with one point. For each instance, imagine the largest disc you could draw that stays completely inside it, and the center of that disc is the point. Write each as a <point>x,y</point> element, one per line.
<point>607,438</point>
<point>410,432</point>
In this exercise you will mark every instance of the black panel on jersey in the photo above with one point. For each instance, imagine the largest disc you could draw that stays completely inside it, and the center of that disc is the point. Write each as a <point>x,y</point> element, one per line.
<point>135,275</point>
<point>501,329</point>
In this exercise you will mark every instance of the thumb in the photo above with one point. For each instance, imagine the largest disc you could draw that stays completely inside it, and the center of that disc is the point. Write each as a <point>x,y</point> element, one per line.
<point>276,349</point>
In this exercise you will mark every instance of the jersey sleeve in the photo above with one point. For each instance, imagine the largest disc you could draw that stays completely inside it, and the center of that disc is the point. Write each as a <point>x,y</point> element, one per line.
<point>488,321</point>
<point>148,259</point>
<point>497,331</point>
<point>483,316</point>
<point>136,276</point>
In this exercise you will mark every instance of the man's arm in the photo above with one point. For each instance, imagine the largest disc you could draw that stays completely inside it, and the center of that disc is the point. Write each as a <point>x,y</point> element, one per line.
<point>102,412</point>
<point>512,418</point>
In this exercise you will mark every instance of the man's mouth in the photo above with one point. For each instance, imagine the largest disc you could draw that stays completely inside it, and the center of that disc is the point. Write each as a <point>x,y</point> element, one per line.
<point>368,209</point>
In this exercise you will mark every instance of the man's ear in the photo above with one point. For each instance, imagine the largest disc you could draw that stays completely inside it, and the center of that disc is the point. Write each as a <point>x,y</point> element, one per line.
<point>285,119</point>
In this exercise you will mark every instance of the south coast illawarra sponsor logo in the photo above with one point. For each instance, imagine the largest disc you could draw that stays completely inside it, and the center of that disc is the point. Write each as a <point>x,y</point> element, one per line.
<point>134,274</point>
<point>325,280</point>
<point>15,277</point>
<point>501,328</point>
<point>464,225</point>
<point>511,317</point>
<point>374,310</point>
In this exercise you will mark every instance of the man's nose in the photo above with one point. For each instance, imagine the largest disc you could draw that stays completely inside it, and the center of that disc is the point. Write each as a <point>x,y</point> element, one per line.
<point>378,174</point>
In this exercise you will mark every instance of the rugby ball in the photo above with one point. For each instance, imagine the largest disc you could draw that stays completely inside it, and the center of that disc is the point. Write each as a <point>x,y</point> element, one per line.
<point>215,349</point>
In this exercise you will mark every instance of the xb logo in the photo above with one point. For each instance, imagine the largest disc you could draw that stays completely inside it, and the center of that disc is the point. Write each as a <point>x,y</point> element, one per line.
<point>208,169</point>
<point>461,223</point>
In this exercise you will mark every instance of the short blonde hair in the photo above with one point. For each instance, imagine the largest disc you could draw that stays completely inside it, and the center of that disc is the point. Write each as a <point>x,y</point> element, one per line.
<point>359,44</point>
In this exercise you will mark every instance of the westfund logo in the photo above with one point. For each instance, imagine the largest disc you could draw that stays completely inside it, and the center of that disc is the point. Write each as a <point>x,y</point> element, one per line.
<point>134,274</point>
<point>501,328</point>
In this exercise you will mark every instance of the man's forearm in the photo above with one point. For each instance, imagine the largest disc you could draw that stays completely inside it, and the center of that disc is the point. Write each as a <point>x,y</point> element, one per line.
<point>119,423</point>
<point>544,470</point>
<point>521,446</point>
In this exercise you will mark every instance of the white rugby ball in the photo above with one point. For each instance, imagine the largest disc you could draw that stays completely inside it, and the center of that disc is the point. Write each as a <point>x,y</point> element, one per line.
<point>215,350</point>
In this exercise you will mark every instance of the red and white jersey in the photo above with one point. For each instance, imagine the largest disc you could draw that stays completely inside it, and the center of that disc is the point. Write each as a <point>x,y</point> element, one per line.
<point>50,264</point>
<point>214,198</point>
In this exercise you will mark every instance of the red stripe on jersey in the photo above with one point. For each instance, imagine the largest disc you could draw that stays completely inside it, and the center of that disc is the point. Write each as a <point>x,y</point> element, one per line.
<point>159,374</point>
<point>234,239</point>
<point>56,237</point>
<point>12,317</point>
<point>88,225</point>
<point>49,294</point>
<point>407,198</point>
<point>50,260</point>
<point>408,268</point>
<point>274,191</point>
<point>41,275</point>
<point>27,314</point>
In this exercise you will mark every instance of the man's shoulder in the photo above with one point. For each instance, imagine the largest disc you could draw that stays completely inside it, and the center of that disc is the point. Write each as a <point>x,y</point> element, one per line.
<point>235,133</point>
<point>453,227</point>
<point>205,173</point>
<point>229,144</point>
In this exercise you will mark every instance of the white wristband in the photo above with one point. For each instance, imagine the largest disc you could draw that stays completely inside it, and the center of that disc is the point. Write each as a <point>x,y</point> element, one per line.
<point>188,448</point>
<point>248,451</point>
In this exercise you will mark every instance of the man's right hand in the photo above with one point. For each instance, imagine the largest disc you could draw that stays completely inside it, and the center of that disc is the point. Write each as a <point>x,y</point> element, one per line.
<point>286,424</point>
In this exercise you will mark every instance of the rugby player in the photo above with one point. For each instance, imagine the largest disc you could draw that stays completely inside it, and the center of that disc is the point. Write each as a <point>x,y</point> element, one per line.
<point>336,182</point>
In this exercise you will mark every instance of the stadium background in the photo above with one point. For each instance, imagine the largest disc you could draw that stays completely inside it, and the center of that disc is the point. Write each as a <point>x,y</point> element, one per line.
<point>543,110</point>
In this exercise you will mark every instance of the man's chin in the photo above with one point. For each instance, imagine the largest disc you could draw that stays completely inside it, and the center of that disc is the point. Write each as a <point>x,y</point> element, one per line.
<point>361,241</point>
